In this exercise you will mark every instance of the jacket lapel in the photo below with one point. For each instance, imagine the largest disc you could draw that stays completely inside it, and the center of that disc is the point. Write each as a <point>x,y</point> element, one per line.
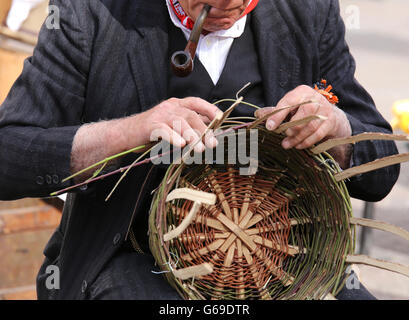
<point>278,63</point>
<point>148,52</point>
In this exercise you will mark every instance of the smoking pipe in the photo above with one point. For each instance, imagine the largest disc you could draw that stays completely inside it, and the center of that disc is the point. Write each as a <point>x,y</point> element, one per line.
<point>182,61</point>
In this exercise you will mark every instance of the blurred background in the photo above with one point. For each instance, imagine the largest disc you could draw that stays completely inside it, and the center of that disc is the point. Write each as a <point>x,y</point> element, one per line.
<point>378,35</point>
<point>25,225</point>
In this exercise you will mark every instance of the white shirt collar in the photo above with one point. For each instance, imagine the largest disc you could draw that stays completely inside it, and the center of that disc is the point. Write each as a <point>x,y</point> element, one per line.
<point>235,31</point>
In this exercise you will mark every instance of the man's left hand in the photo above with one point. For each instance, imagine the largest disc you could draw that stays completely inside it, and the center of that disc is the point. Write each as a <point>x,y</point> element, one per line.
<point>336,124</point>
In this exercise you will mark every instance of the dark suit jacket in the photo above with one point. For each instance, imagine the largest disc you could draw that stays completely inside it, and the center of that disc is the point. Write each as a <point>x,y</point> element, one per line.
<point>109,60</point>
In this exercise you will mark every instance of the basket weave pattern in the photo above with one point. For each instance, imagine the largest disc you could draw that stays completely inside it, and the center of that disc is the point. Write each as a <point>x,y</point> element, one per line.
<point>282,233</point>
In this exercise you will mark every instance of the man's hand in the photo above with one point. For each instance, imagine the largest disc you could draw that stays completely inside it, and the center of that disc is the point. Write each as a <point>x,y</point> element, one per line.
<point>304,136</point>
<point>179,121</point>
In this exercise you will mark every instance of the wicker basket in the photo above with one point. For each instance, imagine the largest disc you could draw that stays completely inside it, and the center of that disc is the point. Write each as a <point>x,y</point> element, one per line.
<point>285,232</point>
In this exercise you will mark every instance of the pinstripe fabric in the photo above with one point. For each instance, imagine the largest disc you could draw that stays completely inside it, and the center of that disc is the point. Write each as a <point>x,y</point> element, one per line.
<point>128,276</point>
<point>338,67</point>
<point>109,60</point>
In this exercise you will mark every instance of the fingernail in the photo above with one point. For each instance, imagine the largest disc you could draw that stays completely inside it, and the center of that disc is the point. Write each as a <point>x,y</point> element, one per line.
<point>182,142</point>
<point>199,147</point>
<point>270,125</point>
<point>286,144</point>
<point>212,142</point>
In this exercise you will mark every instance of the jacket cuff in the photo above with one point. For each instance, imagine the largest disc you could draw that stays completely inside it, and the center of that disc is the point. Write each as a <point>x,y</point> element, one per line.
<point>52,158</point>
<point>356,158</point>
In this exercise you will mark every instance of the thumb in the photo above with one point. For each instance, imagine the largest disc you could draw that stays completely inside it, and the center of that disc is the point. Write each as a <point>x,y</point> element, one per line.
<point>259,113</point>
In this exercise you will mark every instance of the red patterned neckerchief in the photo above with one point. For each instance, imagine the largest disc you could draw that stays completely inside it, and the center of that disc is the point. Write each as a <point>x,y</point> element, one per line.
<point>189,23</point>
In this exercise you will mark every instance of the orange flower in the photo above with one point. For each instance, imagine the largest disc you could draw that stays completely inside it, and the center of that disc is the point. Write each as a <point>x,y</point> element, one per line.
<point>326,91</point>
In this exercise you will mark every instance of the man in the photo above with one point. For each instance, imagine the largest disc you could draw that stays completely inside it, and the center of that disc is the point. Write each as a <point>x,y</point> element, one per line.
<point>101,85</point>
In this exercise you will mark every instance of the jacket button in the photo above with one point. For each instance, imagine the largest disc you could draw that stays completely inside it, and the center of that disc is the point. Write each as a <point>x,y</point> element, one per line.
<point>56,179</point>
<point>84,286</point>
<point>40,180</point>
<point>48,179</point>
<point>117,238</point>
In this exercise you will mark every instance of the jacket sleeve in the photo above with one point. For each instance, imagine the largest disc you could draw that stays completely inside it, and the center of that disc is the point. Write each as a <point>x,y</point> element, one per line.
<point>338,67</point>
<point>42,113</point>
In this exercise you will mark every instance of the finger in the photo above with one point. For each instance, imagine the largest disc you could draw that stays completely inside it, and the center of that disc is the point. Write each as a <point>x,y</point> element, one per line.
<point>300,133</point>
<point>299,95</point>
<point>316,137</point>
<point>205,119</point>
<point>274,121</point>
<point>194,121</point>
<point>200,106</point>
<point>271,122</point>
<point>189,134</point>
<point>199,126</point>
<point>300,136</point>
<point>259,113</point>
<point>303,112</point>
<point>163,131</point>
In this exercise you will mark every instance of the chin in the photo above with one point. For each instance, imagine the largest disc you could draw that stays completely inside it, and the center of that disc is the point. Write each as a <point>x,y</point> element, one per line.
<point>213,25</point>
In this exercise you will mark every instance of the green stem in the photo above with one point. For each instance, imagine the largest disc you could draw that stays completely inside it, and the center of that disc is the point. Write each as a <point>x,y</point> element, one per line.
<point>126,172</point>
<point>104,162</point>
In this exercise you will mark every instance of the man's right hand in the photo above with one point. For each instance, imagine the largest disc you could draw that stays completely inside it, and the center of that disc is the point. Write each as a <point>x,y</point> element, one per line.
<point>178,121</point>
